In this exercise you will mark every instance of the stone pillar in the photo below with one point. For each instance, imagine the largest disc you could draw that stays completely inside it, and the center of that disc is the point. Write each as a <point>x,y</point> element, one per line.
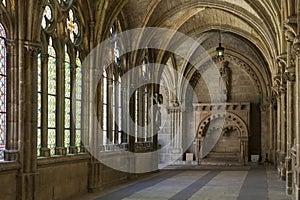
<point>290,115</point>
<point>45,151</point>
<point>176,132</point>
<point>60,148</point>
<point>73,148</point>
<point>283,132</point>
<point>296,47</point>
<point>11,144</point>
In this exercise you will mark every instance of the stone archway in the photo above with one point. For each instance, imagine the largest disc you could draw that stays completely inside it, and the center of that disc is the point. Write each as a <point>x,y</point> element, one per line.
<point>231,137</point>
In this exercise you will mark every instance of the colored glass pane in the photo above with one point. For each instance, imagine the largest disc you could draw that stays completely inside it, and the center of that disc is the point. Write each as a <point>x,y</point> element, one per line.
<point>39,90</point>
<point>51,71</point>
<point>39,109</point>
<point>72,26</point>
<point>67,138</point>
<point>51,141</point>
<point>39,67</point>
<point>47,16</point>
<point>38,141</point>
<point>2,90</point>
<point>51,111</point>
<point>67,74</point>
<point>67,113</point>
<point>78,91</point>
<point>77,140</point>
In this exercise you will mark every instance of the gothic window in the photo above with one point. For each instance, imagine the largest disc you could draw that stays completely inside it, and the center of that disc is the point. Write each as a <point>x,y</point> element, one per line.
<point>116,46</point>
<point>146,113</point>
<point>105,105</point>
<point>119,111</point>
<point>136,112</point>
<point>51,97</point>
<point>67,98</point>
<point>62,68</point>
<point>78,96</point>
<point>3,87</point>
<point>72,26</point>
<point>113,111</point>
<point>39,67</point>
<point>47,17</point>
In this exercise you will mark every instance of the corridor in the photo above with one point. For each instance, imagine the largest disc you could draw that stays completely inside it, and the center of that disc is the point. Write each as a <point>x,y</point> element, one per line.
<point>200,183</point>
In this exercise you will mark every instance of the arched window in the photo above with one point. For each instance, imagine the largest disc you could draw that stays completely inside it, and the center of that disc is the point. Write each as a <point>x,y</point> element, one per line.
<point>119,111</point>
<point>136,114</point>
<point>62,69</point>
<point>39,122</point>
<point>3,87</point>
<point>78,95</point>
<point>105,105</point>
<point>67,98</point>
<point>51,97</point>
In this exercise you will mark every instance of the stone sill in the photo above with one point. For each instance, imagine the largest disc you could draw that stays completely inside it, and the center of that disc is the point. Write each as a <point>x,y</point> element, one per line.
<point>110,154</point>
<point>70,158</point>
<point>9,166</point>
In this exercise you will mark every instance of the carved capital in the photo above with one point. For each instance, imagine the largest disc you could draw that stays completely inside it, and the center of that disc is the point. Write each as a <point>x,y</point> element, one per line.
<point>33,47</point>
<point>289,31</point>
<point>282,62</point>
<point>296,46</point>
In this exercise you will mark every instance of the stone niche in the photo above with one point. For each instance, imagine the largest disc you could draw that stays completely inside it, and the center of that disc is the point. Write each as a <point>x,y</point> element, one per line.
<point>222,132</point>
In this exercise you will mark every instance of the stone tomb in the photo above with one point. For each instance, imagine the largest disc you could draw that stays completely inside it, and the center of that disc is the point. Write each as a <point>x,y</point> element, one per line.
<point>222,132</point>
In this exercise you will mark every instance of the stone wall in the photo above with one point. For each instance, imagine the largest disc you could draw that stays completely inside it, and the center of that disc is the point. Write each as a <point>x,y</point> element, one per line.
<point>8,185</point>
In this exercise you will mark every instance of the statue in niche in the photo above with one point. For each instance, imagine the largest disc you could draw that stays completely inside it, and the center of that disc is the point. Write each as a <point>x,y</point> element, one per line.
<point>225,73</point>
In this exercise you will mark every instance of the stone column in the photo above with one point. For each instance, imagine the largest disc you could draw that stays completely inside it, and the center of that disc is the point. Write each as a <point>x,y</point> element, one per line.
<point>283,132</point>
<point>28,176</point>
<point>176,131</point>
<point>45,151</point>
<point>73,148</point>
<point>60,148</point>
<point>296,47</point>
<point>11,144</point>
<point>290,76</point>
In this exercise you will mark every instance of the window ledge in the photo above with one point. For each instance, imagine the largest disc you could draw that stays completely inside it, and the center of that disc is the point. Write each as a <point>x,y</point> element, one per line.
<point>70,158</point>
<point>9,165</point>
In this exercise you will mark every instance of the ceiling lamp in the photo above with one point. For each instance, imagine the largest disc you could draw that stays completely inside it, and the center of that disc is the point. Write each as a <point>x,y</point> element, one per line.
<point>220,49</point>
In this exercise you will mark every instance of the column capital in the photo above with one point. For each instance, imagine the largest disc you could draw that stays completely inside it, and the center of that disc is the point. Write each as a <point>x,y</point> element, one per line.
<point>296,46</point>
<point>289,31</point>
<point>32,46</point>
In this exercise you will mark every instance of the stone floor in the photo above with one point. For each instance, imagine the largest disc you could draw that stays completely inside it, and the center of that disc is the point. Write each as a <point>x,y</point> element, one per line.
<point>201,183</point>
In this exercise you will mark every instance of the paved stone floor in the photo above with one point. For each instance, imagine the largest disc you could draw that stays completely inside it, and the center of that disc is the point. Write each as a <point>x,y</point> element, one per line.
<point>201,183</point>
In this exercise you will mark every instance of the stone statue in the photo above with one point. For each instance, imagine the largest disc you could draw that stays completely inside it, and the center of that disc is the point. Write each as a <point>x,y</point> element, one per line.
<point>225,73</point>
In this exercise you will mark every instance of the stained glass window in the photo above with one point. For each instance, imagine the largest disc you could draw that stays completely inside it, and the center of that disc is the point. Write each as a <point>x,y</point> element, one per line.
<point>113,110</point>
<point>145,113</point>
<point>2,91</point>
<point>72,26</point>
<point>39,67</point>
<point>78,86</point>
<point>105,107</point>
<point>67,98</point>
<point>51,97</point>
<point>136,110</point>
<point>120,109</point>
<point>47,17</point>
